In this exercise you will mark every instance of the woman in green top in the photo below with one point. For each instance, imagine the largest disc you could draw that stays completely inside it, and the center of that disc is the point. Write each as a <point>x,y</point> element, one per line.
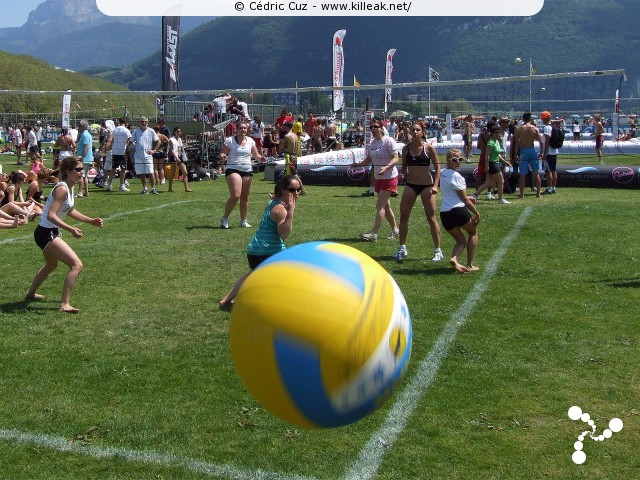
<point>274,228</point>
<point>493,156</point>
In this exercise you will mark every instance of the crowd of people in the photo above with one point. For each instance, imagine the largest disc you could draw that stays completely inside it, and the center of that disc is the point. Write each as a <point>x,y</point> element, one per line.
<point>507,150</point>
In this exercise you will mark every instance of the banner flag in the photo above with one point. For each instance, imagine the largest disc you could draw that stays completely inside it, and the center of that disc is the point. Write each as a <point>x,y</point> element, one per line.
<point>66,110</point>
<point>170,37</point>
<point>338,69</point>
<point>433,75</point>
<point>387,79</point>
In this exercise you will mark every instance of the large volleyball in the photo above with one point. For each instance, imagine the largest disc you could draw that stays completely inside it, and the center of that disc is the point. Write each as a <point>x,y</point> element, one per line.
<point>320,334</point>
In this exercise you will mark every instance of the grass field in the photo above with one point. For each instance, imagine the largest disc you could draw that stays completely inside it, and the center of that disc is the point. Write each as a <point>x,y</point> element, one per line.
<point>140,384</point>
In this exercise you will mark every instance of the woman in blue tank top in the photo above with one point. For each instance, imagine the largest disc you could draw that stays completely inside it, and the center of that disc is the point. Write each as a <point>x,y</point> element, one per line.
<point>274,228</point>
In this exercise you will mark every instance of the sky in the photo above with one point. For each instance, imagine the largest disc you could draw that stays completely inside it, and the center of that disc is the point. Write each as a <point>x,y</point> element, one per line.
<point>17,14</point>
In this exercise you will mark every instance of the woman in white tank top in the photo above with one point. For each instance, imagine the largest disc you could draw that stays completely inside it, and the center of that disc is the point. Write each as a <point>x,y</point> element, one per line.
<point>47,234</point>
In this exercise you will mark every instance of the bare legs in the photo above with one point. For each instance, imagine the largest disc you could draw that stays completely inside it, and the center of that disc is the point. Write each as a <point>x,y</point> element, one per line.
<point>182,168</point>
<point>239,189</point>
<point>461,242</point>
<point>383,210</point>
<point>58,251</point>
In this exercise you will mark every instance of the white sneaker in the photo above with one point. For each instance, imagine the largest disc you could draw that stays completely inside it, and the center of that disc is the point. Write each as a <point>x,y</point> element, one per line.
<point>393,235</point>
<point>126,183</point>
<point>400,254</point>
<point>245,224</point>
<point>369,236</point>
<point>503,201</point>
<point>123,188</point>
<point>438,256</point>
<point>490,197</point>
<point>224,222</point>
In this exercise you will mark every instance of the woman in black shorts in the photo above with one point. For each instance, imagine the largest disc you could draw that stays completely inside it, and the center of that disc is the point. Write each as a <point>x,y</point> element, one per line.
<point>60,203</point>
<point>454,212</point>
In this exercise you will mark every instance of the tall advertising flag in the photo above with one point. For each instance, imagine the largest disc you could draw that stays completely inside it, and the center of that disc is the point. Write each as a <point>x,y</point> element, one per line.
<point>66,110</point>
<point>170,37</point>
<point>338,69</point>
<point>387,78</point>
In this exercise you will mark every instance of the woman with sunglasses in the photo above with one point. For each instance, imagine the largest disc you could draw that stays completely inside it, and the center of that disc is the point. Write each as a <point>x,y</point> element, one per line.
<point>60,203</point>
<point>382,156</point>
<point>454,212</point>
<point>275,227</point>
<point>417,158</point>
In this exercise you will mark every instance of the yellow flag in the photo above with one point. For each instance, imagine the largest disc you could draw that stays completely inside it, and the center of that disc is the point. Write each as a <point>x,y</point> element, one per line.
<point>356,83</point>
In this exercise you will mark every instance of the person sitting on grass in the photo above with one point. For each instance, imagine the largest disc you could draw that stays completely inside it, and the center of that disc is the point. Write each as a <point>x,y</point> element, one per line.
<point>11,221</point>
<point>454,212</point>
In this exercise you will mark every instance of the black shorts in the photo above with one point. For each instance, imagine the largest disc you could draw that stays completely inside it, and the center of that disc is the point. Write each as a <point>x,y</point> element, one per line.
<point>34,149</point>
<point>43,236</point>
<point>457,217</point>
<point>494,168</point>
<point>118,161</point>
<point>229,171</point>
<point>552,161</point>
<point>255,260</point>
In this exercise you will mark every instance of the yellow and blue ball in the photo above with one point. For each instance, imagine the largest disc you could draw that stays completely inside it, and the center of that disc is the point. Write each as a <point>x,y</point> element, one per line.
<point>320,334</point>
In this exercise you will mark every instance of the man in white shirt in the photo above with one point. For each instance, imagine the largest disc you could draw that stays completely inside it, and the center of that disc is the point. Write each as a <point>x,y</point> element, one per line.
<point>17,142</point>
<point>147,142</point>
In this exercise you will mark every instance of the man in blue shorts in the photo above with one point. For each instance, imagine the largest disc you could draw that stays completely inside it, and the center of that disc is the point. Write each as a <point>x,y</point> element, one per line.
<point>525,135</point>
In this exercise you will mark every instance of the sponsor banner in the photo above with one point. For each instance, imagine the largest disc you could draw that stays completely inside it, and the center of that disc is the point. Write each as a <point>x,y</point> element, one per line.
<point>170,38</point>
<point>387,77</point>
<point>338,69</point>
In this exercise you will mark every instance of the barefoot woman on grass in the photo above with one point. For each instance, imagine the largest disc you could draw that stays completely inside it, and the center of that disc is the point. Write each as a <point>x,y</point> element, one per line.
<point>48,236</point>
<point>454,212</point>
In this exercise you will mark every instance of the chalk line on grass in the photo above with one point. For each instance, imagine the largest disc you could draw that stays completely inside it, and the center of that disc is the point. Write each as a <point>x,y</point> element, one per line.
<point>110,217</point>
<point>372,454</point>
<point>149,457</point>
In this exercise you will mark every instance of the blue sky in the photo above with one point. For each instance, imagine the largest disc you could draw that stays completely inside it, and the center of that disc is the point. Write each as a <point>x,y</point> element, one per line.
<point>17,14</point>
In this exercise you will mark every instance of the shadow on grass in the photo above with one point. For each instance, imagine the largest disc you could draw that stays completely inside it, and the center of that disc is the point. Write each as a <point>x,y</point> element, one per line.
<point>621,282</point>
<point>203,227</point>
<point>27,306</point>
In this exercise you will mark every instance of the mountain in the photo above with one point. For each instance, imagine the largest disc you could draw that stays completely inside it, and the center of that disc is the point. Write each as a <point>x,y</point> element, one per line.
<point>270,52</point>
<point>74,34</point>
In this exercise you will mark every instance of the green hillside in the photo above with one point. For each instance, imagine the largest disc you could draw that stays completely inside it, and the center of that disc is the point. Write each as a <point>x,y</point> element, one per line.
<point>22,72</point>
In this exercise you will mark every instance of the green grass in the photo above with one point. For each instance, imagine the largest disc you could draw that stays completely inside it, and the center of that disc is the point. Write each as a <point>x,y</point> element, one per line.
<point>145,366</point>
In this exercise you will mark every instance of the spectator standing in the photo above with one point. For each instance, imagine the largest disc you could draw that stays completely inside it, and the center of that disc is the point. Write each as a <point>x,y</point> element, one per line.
<point>17,143</point>
<point>256,131</point>
<point>121,136</point>
<point>526,155</point>
<point>178,160</point>
<point>64,145</point>
<point>84,150</point>
<point>598,133</point>
<point>147,142</point>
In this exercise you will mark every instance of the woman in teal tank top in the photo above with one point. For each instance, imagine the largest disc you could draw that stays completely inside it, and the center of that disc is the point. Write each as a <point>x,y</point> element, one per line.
<point>274,228</point>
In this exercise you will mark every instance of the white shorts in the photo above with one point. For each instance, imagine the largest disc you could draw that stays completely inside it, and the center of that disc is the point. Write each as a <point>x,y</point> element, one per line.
<point>108,161</point>
<point>85,169</point>
<point>144,166</point>
<point>64,154</point>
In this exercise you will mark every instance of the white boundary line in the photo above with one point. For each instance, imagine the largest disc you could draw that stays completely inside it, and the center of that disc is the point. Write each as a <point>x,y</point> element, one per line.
<point>111,217</point>
<point>372,454</point>
<point>163,459</point>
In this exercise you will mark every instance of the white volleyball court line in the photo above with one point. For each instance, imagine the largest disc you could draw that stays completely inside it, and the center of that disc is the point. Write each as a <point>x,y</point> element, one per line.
<point>141,456</point>
<point>111,217</point>
<point>371,455</point>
